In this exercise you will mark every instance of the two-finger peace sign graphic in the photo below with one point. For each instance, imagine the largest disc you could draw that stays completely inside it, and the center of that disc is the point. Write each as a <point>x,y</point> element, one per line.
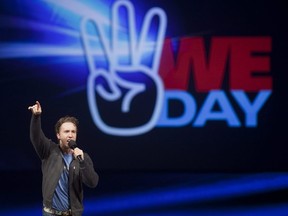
<point>118,93</point>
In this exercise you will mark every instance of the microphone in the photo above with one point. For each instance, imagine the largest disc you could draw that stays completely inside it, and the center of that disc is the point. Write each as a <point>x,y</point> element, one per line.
<point>72,144</point>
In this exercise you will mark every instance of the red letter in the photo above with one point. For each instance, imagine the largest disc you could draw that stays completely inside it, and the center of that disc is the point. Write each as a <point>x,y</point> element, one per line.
<point>173,77</point>
<point>209,74</point>
<point>249,71</point>
<point>192,56</point>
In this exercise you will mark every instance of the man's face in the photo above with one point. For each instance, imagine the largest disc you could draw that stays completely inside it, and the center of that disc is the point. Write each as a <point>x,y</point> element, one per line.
<point>67,131</point>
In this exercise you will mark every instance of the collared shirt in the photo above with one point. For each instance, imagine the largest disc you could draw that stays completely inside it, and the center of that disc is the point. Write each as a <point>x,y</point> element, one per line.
<point>61,195</point>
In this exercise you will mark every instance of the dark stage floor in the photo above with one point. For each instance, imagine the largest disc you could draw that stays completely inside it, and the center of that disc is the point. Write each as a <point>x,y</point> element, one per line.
<point>159,193</point>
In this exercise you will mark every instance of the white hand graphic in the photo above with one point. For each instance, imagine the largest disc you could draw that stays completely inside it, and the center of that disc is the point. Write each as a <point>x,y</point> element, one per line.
<point>121,84</point>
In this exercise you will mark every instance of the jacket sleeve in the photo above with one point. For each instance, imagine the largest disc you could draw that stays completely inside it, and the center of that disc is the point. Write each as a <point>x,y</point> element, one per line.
<point>40,142</point>
<point>89,176</point>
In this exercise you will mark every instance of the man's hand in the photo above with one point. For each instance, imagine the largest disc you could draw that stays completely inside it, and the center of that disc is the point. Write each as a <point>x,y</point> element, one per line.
<point>36,108</point>
<point>78,152</point>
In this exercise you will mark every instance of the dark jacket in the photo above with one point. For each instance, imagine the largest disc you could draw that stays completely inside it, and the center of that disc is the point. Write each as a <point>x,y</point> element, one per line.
<point>52,167</point>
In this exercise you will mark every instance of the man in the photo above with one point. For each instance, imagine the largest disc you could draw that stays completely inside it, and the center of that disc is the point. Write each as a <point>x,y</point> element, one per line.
<point>62,169</point>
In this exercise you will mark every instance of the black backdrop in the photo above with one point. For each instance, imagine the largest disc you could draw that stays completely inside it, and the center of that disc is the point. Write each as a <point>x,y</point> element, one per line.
<point>58,82</point>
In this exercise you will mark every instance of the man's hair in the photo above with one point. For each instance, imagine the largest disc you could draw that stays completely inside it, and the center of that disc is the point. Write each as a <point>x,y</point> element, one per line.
<point>66,119</point>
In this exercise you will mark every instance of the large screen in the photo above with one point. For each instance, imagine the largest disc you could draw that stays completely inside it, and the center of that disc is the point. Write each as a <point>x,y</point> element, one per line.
<point>156,85</point>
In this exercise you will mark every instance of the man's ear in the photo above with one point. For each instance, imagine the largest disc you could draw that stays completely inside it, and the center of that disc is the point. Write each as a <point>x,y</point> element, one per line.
<point>58,136</point>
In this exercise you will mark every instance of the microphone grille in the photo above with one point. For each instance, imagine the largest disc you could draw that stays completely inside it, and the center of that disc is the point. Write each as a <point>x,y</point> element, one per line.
<point>72,144</point>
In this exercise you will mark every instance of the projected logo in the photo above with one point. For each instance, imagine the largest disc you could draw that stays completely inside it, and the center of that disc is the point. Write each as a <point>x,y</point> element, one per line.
<point>137,75</point>
<point>125,91</point>
<point>126,79</point>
